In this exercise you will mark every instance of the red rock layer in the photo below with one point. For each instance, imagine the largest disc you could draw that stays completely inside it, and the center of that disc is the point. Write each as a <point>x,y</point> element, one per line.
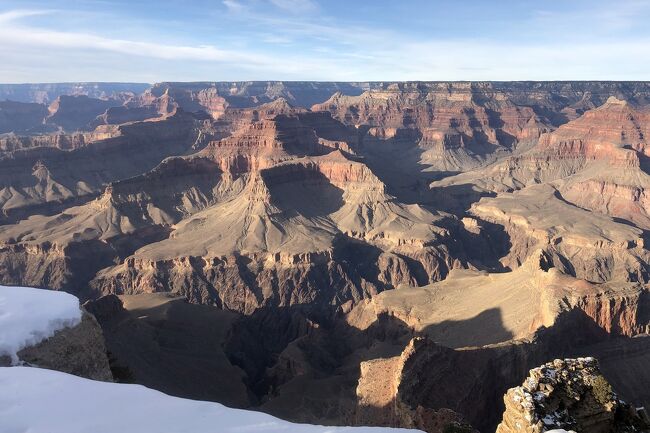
<point>614,132</point>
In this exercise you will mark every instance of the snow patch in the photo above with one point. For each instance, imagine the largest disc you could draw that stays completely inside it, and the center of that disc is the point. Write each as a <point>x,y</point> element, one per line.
<point>29,316</point>
<point>36,400</point>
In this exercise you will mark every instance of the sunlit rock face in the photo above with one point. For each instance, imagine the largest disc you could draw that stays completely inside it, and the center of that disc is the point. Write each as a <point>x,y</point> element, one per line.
<point>569,394</point>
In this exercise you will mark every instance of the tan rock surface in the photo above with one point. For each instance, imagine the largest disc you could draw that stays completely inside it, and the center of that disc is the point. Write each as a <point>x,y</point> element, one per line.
<point>471,308</point>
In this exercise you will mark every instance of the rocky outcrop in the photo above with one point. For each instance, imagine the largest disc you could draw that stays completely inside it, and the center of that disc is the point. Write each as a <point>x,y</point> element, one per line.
<point>79,350</point>
<point>187,98</point>
<point>568,394</point>
<point>380,402</point>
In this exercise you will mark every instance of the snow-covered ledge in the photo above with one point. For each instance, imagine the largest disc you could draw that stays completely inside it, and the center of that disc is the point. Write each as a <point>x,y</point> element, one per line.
<point>45,401</point>
<point>29,316</point>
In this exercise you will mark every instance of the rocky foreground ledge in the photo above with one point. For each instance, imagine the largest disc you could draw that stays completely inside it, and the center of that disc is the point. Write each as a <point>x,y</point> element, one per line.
<point>569,394</point>
<point>50,330</point>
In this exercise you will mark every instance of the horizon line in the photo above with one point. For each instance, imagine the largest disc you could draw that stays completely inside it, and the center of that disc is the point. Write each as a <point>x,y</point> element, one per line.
<point>26,83</point>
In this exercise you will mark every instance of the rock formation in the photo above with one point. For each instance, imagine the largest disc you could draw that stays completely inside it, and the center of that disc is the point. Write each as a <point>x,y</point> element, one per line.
<point>79,350</point>
<point>379,394</point>
<point>569,394</point>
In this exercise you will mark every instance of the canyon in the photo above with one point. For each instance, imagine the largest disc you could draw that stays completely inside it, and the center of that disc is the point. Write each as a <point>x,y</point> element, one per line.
<point>390,254</point>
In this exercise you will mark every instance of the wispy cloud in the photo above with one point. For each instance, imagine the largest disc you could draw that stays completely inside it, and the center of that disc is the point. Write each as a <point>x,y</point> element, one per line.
<point>305,26</point>
<point>276,39</point>
<point>15,15</point>
<point>296,6</point>
<point>233,6</point>
<point>599,20</point>
<point>20,35</point>
<point>260,39</point>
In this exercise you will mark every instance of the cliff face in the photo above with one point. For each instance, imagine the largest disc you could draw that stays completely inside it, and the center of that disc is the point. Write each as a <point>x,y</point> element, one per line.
<point>77,112</point>
<point>596,161</point>
<point>380,393</point>
<point>455,127</point>
<point>21,117</point>
<point>599,131</point>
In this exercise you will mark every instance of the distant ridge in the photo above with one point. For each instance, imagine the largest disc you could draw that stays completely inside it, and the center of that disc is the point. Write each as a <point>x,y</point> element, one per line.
<point>48,92</point>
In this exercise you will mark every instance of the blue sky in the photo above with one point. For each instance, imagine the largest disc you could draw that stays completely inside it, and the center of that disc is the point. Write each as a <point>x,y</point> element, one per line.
<point>164,40</point>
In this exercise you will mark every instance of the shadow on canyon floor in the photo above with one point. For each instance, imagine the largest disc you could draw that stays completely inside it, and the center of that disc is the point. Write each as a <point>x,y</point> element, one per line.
<point>456,199</point>
<point>483,329</point>
<point>304,365</point>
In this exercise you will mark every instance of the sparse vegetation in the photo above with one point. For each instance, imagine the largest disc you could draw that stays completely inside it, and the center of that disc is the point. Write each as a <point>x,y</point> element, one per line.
<point>458,428</point>
<point>602,390</point>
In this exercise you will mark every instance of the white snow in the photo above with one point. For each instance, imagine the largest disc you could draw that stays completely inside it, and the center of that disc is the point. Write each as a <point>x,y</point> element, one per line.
<point>28,316</point>
<point>45,401</point>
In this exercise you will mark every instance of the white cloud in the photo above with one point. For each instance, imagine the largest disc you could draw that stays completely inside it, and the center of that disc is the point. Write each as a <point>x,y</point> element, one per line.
<point>276,39</point>
<point>324,50</point>
<point>233,6</point>
<point>29,51</point>
<point>18,35</point>
<point>296,6</point>
<point>484,60</point>
<point>10,16</point>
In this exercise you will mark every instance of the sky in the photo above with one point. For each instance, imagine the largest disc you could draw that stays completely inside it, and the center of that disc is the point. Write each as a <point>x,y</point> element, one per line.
<point>326,40</point>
